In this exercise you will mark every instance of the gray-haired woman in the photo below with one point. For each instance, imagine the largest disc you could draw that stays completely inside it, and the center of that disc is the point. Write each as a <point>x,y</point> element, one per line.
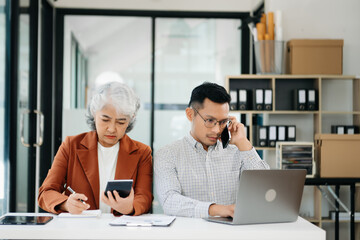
<point>87,161</point>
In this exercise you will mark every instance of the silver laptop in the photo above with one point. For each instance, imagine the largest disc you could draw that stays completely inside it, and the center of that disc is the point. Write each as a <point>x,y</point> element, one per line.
<point>267,196</point>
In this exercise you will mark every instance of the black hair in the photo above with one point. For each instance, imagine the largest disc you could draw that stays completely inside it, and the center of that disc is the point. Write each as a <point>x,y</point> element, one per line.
<point>212,91</point>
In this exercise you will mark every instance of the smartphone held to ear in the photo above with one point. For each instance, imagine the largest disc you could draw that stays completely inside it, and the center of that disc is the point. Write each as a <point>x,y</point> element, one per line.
<point>225,137</point>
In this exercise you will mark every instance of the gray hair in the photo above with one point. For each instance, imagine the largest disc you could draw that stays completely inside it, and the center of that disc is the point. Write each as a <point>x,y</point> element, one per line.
<point>119,95</point>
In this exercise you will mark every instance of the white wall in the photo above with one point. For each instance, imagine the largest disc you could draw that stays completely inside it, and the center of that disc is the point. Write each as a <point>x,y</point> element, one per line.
<point>334,19</point>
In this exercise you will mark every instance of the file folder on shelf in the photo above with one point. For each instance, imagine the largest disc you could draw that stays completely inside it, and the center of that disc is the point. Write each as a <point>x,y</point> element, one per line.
<point>338,129</point>
<point>311,100</point>
<point>291,133</point>
<point>234,100</point>
<point>272,136</point>
<point>263,136</point>
<point>268,99</point>
<point>243,99</point>
<point>342,129</point>
<point>300,99</point>
<point>246,131</point>
<point>258,99</point>
<point>281,134</point>
<point>352,129</point>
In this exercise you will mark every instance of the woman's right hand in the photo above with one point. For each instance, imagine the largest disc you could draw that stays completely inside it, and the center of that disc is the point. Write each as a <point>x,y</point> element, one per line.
<point>73,204</point>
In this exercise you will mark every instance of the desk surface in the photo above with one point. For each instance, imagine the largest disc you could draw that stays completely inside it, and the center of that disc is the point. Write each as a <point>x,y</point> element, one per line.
<point>181,228</point>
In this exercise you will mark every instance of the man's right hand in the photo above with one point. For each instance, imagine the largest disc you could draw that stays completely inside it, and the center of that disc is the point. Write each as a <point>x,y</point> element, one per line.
<point>73,205</point>
<point>222,210</point>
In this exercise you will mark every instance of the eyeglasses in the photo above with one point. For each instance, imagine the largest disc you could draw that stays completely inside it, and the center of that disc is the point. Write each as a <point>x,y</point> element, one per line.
<point>210,123</point>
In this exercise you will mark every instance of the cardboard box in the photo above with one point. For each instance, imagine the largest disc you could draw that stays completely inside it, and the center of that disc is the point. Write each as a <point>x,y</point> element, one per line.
<point>314,56</point>
<point>338,155</point>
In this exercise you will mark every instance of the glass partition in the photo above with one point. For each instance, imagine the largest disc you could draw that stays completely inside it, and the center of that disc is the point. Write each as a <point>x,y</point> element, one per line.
<point>3,164</point>
<point>120,51</point>
<point>188,53</point>
<point>23,115</point>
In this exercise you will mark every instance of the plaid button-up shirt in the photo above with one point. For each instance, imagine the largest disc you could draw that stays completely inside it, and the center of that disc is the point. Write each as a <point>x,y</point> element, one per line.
<point>188,179</point>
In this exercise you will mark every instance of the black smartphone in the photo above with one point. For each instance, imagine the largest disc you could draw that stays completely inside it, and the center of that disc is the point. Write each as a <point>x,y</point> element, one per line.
<point>123,187</point>
<point>225,137</point>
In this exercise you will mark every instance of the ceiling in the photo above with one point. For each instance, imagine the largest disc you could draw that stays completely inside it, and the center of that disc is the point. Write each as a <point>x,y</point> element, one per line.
<point>162,5</point>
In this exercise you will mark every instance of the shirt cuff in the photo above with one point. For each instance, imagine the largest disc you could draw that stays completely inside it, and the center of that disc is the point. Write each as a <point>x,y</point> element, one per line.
<point>253,158</point>
<point>202,209</point>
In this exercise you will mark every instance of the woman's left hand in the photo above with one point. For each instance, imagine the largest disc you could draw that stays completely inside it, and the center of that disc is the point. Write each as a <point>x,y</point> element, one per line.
<point>119,204</point>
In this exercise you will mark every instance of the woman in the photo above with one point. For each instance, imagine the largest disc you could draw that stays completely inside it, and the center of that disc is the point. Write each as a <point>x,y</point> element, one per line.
<point>87,161</point>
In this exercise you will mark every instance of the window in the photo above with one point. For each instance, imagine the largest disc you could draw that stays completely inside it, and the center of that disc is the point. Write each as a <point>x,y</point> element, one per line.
<point>120,51</point>
<point>78,75</point>
<point>3,164</point>
<point>189,52</point>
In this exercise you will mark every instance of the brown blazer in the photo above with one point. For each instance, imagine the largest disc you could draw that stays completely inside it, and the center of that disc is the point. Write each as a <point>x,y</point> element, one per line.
<point>76,165</point>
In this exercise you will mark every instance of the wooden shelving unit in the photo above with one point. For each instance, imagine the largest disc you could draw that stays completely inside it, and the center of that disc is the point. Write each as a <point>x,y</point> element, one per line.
<point>333,109</point>
<point>283,86</point>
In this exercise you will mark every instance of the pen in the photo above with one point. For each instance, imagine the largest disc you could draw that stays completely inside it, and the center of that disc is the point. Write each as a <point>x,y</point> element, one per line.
<point>73,192</point>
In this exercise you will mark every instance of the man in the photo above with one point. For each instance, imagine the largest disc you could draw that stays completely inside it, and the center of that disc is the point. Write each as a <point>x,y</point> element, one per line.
<point>196,176</point>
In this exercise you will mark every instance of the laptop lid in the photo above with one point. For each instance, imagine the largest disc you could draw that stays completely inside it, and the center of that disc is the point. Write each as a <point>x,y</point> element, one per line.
<point>269,196</point>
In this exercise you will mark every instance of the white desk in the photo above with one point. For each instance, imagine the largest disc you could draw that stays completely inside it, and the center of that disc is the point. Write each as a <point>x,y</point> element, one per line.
<point>181,228</point>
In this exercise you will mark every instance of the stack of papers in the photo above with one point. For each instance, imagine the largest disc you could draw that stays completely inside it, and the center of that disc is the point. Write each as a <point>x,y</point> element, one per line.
<point>146,220</point>
<point>84,214</point>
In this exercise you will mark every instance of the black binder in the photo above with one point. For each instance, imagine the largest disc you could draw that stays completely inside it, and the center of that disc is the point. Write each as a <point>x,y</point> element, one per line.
<point>352,129</point>
<point>258,99</point>
<point>342,129</point>
<point>255,135</point>
<point>338,129</point>
<point>268,99</point>
<point>281,133</point>
<point>263,136</point>
<point>291,133</point>
<point>312,100</point>
<point>234,100</point>
<point>300,99</point>
<point>243,99</point>
<point>272,136</point>
<point>246,131</point>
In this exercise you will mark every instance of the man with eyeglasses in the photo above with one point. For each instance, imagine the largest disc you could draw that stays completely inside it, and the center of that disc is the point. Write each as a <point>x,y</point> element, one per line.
<point>196,176</point>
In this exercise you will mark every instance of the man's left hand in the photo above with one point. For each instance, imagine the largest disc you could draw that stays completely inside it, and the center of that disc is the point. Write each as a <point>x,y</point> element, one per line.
<point>238,136</point>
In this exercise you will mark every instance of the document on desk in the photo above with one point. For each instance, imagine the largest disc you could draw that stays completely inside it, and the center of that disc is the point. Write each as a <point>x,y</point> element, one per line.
<point>146,220</point>
<point>84,214</point>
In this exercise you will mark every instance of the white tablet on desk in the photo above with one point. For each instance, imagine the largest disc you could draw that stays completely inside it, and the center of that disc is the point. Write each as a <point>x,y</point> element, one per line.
<point>24,220</point>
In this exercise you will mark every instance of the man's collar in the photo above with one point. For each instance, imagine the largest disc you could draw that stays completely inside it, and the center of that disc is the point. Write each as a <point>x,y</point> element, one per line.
<point>197,145</point>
